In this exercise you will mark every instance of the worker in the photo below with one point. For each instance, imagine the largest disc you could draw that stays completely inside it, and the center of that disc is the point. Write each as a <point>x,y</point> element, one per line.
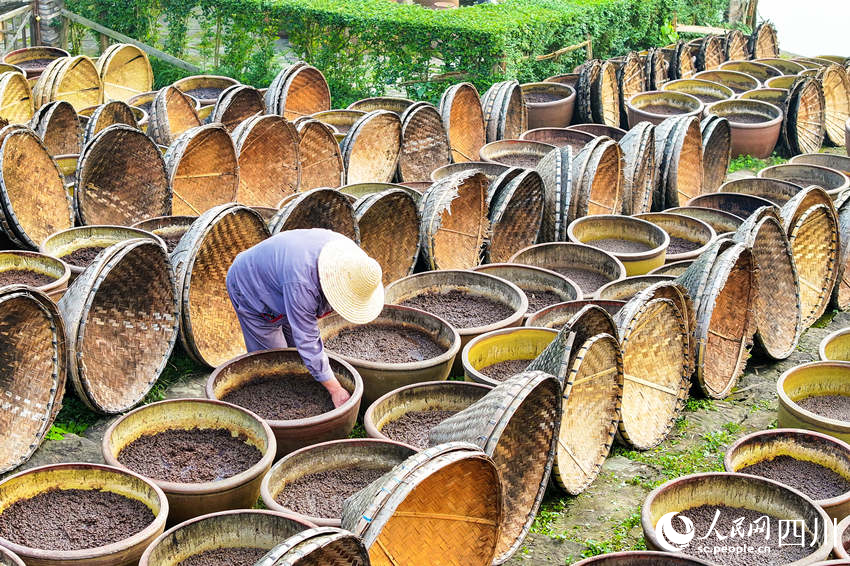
<point>282,286</point>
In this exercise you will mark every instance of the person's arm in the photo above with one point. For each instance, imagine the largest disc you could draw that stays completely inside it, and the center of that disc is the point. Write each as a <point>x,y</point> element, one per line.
<point>300,303</point>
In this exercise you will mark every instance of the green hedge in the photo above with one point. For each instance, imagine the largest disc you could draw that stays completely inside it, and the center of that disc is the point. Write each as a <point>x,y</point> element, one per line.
<point>364,45</point>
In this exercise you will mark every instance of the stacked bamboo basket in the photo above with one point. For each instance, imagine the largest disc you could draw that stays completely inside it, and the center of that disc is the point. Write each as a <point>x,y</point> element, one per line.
<point>430,188</point>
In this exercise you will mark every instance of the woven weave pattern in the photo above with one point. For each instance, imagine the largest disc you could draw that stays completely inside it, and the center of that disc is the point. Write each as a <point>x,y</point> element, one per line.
<point>297,91</point>
<point>639,168</point>
<point>515,216</point>
<point>73,79</point>
<point>598,180</point>
<point>814,245</point>
<point>371,148</point>
<point>172,113</point>
<point>463,121</point>
<point>320,155</point>
<point>389,231</point>
<point>631,80</point>
<point>236,104</point>
<point>505,112</point>
<point>59,128</point>
<point>16,102</point>
<point>320,546</point>
<point>113,112</point>
<point>269,161</point>
<point>424,143</point>
<point>318,208</point>
<point>716,151</point>
<point>125,71</point>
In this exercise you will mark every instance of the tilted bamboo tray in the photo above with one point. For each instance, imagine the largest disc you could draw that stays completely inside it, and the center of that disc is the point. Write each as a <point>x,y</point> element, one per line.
<point>209,330</point>
<point>516,424</point>
<point>505,111</point>
<point>515,216</point>
<point>29,216</point>
<point>106,115</point>
<point>236,104</point>
<point>16,102</point>
<point>317,208</point>
<point>631,80</point>
<point>424,143</point>
<point>36,373</point>
<point>202,169</point>
<point>316,547</point>
<point>122,321</point>
<point>579,322</point>
<point>171,114</point>
<point>656,68</point>
<point>59,128</point>
<point>680,61</point>
<point>836,93</point>
<point>125,71</point>
<point>805,118</point>
<point>598,180</point>
<point>73,79</point>
<point>763,42</point>
<point>841,294</point>
<point>320,156</point>
<point>121,179</point>
<point>639,169</point>
<point>269,161</point>
<point>735,45</point>
<point>298,90</point>
<point>716,151</point>
<point>678,156</point>
<point>557,173</point>
<point>371,148</point>
<point>463,121</point>
<point>388,223</point>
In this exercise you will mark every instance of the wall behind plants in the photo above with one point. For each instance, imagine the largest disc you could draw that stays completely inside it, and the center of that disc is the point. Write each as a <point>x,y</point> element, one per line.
<point>364,45</point>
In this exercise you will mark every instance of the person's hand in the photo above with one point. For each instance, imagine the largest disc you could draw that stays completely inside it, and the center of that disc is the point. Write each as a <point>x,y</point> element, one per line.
<point>339,395</point>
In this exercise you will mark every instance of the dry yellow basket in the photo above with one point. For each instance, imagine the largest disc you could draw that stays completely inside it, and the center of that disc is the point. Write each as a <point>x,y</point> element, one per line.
<point>58,126</point>
<point>269,164</point>
<point>115,112</point>
<point>463,120</point>
<point>16,102</point>
<point>388,223</point>
<point>171,114</point>
<point>371,148</point>
<point>74,79</point>
<point>125,71</point>
<point>320,155</point>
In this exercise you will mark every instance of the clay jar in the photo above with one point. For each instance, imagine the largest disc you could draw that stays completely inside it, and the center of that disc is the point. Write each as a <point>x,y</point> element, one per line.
<point>550,105</point>
<point>754,124</point>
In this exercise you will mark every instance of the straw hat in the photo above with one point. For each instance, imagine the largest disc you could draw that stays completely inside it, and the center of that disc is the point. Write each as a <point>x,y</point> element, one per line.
<point>351,281</point>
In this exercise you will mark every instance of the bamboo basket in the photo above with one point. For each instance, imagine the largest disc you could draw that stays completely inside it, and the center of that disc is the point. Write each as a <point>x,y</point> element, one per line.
<point>388,223</point>
<point>29,216</point>
<point>735,45</point>
<point>678,156</point>
<point>515,216</point>
<point>832,181</point>
<point>836,92</point>
<point>776,191</point>
<point>765,497</point>
<point>34,60</point>
<point>841,292</point>
<point>611,226</point>
<point>16,101</point>
<point>73,79</point>
<point>716,151</point>
<point>316,546</point>
<point>59,128</point>
<point>710,53</point>
<point>65,242</point>
<point>268,158</point>
<point>425,396</point>
<point>320,156</point>
<point>202,169</point>
<point>559,137</point>
<point>722,222</point>
<point>685,228</point>
<point>555,170</point>
<point>737,81</point>
<point>807,380</point>
<point>807,446</point>
<point>805,117</point>
<point>680,61</point>
<point>35,383</point>
<point>625,289</point>
<point>122,337</point>
<point>370,149</point>
<point>759,71</point>
<point>169,228</point>
<point>498,184</point>
<point>368,453</point>
<point>814,245</point>
<point>656,68</point>
<point>424,144</point>
<point>171,114</point>
<point>394,104</point>
<point>577,322</point>
<point>569,259</point>
<point>121,179</point>
<point>505,112</point>
<point>24,261</point>
<point>534,280</point>
<point>515,153</point>
<point>763,42</point>
<point>723,287</point>
<point>463,121</point>
<point>605,95</point>
<point>639,168</point>
<point>741,205</point>
<point>108,114</point>
<point>454,221</point>
<point>205,88</point>
<point>777,302</point>
<point>317,208</point>
<point>507,344</point>
<point>490,170</point>
<point>253,528</point>
<point>675,268</point>
<point>340,121</point>
<point>517,424</point>
<point>401,517</point>
<point>298,90</point>
<point>599,180</point>
<point>236,104</point>
<point>209,330</point>
<point>125,71</point>
<point>655,352</point>
<point>631,80</point>
<point>803,200</point>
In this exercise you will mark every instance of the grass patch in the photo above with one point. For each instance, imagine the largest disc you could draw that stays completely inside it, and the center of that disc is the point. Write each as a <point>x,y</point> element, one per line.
<point>753,163</point>
<point>825,319</point>
<point>547,514</point>
<point>619,539</point>
<point>693,404</point>
<point>358,431</point>
<point>179,365</point>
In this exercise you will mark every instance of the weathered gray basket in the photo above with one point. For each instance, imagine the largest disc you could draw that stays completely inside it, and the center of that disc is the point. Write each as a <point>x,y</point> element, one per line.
<point>639,169</point>
<point>515,216</point>
<point>236,104</point>
<point>424,143</point>
<point>556,170</point>
<point>317,208</point>
<point>318,546</point>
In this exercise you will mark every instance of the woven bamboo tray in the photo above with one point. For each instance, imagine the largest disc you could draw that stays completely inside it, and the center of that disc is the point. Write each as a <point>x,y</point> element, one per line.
<point>841,292</point>
<point>73,79</point>
<point>589,229</point>
<point>723,286</point>
<point>16,103</point>
<point>763,42</point>
<point>739,204</point>
<point>680,61</point>
<point>655,349</point>
<point>501,182</point>
<point>171,114</point>
<point>735,45</point>
<point>777,303</point>
<point>515,216</point>
<point>678,156</point>
<point>710,53</point>
<point>557,173</point>
<point>394,104</point>
<point>683,227</point>
<point>121,179</point>
<point>675,292</point>
<point>424,143</point>
<point>566,258</point>
<point>559,137</point>
<point>298,90</point>
<point>125,71</point>
<point>605,95</point>
<point>202,169</point>
<point>316,547</point>
<point>363,453</point>
<point>357,191</point>
<point>561,315</point>
<point>320,156</point>
<point>317,208</point>
<point>508,344</point>
<point>340,120</point>
<point>598,180</point>
<point>29,216</point>
<point>454,221</point>
<point>35,384</point>
<point>803,200</point>
<point>269,164</point>
<point>631,80</point>
<point>401,517</point>
<point>209,330</point>
<point>639,169</point>
<point>106,115</point>
<point>836,91</point>
<point>716,151</point>
<point>463,121</point>
<point>505,112</point>
<point>534,280</point>
<point>205,88</point>
<point>59,128</point>
<point>655,67</point>
<point>122,335</point>
<point>370,149</point>
<point>33,60</point>
<point>236,104</point>
<point>738,82</point>
<point>388,224</point>
<point>252,528</point>
<point>763,496</point>
<point>832,181</point>
<point>169,228</point>
<point>517,424</point>
<point>625,289</point>
<point>805,117</point>
<point>776,191</point>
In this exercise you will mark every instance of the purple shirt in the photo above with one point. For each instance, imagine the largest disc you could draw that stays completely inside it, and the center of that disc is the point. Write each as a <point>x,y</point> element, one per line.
<point>278,280</point>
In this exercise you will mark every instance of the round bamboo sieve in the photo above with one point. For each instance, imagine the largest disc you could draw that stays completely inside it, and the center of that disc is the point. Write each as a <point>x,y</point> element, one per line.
<point>716,151</point>
<point>736,46</point>
<point>171,114</point>
<point>236,104</point>
<point>318,546</point>
<point>463,121</point>
<point>631,80</point>
<point>297,91</point>
<point>114,112</point>
<point>678,156</point>
<point>370,149</point>
<point>505,112</point>
<point>639,169</point>
<point>598,180</point>
<point>320,156</point>
<point>388,223</point>
<point>269,162</point>
<point>16,102</point>
<point>515,216</point>
<point>59,128</point>
<point>317,208</point>
<point>424,143</point>
<point>73,79</point>
<point>125,71</point>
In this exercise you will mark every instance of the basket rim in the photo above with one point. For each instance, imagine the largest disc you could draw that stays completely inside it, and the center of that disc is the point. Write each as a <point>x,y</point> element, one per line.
<point>481,378</point>
<point>328,534</point>
<point>627,256</point>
